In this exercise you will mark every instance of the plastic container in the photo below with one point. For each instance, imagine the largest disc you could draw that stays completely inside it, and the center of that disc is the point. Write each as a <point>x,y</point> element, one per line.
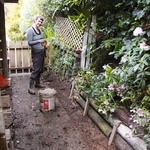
<point>47,99</point>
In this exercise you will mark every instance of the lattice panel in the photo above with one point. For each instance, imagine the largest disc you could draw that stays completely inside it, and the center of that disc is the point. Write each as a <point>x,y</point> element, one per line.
<point>69,33</point>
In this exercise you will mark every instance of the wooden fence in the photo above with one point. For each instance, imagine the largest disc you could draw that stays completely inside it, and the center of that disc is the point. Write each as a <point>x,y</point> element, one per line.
<point>19,57</point>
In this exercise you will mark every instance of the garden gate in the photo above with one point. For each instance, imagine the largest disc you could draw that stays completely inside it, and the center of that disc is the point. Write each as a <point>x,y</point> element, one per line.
<point>19,57</point>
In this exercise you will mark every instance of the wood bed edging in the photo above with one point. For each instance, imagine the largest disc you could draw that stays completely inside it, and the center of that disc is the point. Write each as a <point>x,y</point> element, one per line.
<point>123,132</point>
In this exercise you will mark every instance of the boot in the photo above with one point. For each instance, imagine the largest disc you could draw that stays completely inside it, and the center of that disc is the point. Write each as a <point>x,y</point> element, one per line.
<point>37,84</point>
<point>31,87</point>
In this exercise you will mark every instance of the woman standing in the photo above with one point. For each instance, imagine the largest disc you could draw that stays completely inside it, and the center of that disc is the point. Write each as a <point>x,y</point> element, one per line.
<point>36,41</point>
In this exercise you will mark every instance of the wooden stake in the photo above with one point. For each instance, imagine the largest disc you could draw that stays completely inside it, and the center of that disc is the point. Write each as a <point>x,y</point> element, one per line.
<point>86,107</point>
<point>123,132</point>
<point>113,133</point>
<point>72,87</point>
<point>99,121</point>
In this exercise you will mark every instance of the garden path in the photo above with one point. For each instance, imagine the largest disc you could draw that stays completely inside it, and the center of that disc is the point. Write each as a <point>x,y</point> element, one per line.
<point>62,129</point>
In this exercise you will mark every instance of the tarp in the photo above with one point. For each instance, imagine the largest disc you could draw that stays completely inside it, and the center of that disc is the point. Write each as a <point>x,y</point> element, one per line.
<point>3,82</point>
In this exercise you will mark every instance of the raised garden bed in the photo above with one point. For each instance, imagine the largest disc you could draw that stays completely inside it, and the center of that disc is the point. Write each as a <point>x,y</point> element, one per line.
<point>123,137</point>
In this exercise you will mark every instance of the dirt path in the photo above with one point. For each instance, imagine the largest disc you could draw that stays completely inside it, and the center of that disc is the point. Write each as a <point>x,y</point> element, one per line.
<point>62,129</point>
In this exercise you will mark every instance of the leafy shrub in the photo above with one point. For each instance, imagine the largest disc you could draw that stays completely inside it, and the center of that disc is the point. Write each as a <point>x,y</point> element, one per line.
<point>127,82</point>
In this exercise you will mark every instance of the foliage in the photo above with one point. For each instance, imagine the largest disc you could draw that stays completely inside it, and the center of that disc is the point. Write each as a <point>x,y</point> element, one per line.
<point>96,89</point>
<point>58,61</point>
<point>134,70</point>
<point>127,82</point>
<point>48,32</point>
<point>68,62</point>
<point>13,20</point>
<point>63,61</point>
<point>27,14</point>
<point>118,23</point>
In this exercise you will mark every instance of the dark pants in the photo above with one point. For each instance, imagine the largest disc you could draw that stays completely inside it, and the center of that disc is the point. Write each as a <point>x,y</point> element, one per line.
<point>38,64</point>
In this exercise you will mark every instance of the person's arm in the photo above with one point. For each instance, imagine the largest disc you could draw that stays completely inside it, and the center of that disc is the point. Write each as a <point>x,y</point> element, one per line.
<point>30,38</point>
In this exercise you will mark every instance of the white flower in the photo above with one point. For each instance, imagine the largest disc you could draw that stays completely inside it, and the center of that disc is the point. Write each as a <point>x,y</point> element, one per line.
<point>135,121</point>
<point>143,47</point>
<point>105,67</point>
<point>138,31</point>
<point>124,59</point>
<point>139,112</point>
<point>116,72</point>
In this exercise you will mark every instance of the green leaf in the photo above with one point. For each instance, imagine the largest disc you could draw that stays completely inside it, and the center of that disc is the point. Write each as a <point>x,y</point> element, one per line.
<point>126,98</point>
<point>148,1</point>
<point>136,67</point>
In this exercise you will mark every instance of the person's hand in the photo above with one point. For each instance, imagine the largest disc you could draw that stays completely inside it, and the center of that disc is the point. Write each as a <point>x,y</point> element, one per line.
<point>41,40</point>
<point>44,43</point>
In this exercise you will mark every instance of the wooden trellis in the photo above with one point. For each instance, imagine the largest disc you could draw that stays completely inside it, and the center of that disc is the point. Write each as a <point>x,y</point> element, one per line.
<point>67,31</point>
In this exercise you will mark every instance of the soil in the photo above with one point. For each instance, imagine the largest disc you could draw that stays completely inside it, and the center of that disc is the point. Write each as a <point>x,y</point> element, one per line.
<point>64,128</point>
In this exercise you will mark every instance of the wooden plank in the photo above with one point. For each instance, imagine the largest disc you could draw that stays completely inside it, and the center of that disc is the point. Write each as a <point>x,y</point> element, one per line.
<point>3,145</point>
<point>84,47</point>
<point>88,48</point>
<point>6,91</point>
<point>3,44</point>
<point>8,118</point>
<point>6,101</point>
<point>10,1</point>
<point>91,40</point>
<point>3,141</point>
<point>16,59</point>
<point>2,124</point>
<point>20,56</point>
<point>8,134</point>
<point>10,44</point>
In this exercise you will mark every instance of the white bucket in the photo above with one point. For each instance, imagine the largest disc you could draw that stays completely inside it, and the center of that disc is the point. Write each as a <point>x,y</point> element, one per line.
<point>47,99</point>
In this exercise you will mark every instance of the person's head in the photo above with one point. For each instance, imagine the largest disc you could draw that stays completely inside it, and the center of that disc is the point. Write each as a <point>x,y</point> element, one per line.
<point>38,20</point>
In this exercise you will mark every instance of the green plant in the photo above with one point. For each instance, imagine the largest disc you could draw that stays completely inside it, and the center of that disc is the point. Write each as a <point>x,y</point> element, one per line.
<point>68,62</point>
<point>96,89</point>
<point>141,117</point>
<point>86,82</point>
<point>57,63</point>
<point>134,72</point>
<point>134,67</point>
<point>63,59</point>
<point>13,21</point>
<point>129,81</point>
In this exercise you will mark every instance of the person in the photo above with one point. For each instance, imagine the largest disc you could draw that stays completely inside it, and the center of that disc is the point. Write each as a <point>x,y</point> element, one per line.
<point>36,42</point>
